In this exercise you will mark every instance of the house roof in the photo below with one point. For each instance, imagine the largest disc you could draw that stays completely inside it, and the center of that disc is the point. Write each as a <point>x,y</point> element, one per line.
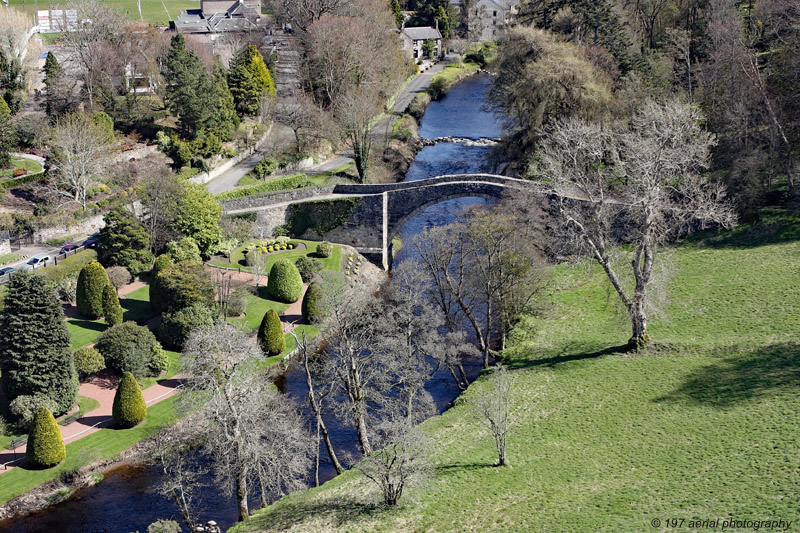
<point>239,16</point>
<point>422,33</point>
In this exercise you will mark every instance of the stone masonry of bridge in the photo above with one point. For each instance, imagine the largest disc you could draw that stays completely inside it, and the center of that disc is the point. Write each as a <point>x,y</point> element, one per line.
<point>382,210</point>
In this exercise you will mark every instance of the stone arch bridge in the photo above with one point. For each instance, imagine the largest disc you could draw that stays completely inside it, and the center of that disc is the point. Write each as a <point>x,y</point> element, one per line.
<point>381,209</point>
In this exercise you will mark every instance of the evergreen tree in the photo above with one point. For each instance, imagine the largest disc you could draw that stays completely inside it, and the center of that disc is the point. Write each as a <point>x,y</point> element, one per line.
<point>112,310</point>
<point>226,119</point>
<point>35,351</point>
<point>124,242</point>
<point>270,334</point>
<point>8,135</point>
<point>249,79</point>
<point>398,14</point>
<point>198,217</point>
<point>56,94</point>
<point>444,22</point>
<point>12,80</point>
<point>189,90</point>
<point>129,408</point>
<point>45,447</point>
<point>312,307</point>
<point>89,292</point>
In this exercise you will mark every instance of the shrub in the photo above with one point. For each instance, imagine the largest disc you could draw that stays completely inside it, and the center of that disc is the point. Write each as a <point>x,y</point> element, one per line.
<point>312,308</point>
<point>118,276</point>
<point>185,249</point>
<point>162,261</point>
<point>67,289</point>
<point>112,310</point>
<point>181,285</point>
<point>89,291</point>
<point>308,267</point>
<point>265,167</point>
<point>175,326</point>
<point>182,153</point>
<point>129,408</point>
<point>45,447</point>
<point>26,406</point>
<point>127,347</point>
<point>270,334</point>
<point>324,249</point>
<point>237,302</point>
<point>284,282</point>
<point>158,362</point>
<point>88,361</point>
<point>284,183</point>
<point>164,526</point>
<point>123,241</point>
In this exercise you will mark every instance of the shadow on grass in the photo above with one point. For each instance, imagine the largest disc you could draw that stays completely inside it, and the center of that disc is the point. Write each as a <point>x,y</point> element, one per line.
<point>338,511</point>
<point>514,364</point>
<point>464,467</point>
<point>775,227</point>
<point>744,376</point>
<point>88,324</point>
<point>138,311</point>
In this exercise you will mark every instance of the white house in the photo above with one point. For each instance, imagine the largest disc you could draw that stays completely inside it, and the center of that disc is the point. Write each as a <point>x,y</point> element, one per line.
<point>414,40</point>
<point>489,18</point>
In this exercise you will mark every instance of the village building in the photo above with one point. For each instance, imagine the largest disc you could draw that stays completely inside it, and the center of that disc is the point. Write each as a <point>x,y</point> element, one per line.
<point>218,16</point>
<point>488,19</point>
<point>414,40</point>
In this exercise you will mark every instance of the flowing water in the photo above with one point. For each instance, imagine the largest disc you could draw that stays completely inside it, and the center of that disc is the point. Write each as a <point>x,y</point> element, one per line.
<point>126,500</point>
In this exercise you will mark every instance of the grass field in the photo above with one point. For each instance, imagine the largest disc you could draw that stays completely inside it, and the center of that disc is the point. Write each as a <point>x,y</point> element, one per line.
<point>8,258</point>
<point>136,306</point>
<point>334,262</point>
<point>701,425</point>
<point>20,162</point>
<point>153,11</point>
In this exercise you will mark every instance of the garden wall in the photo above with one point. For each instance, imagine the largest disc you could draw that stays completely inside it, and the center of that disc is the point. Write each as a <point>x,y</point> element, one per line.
<point>90,225</point>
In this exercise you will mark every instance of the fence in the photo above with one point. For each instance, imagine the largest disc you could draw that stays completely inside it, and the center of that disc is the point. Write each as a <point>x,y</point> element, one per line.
<point>53,262</point>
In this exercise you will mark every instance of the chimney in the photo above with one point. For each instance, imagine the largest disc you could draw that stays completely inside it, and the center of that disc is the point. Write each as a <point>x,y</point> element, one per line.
<point>436,23</point>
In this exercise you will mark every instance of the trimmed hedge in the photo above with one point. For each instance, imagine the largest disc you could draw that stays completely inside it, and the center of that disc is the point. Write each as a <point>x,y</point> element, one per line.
<point>89,293</point>
<point>112,310</point>
<point>284,282</point>
<point>308,267</point>
<point>270,334</point>
<point>324,249</point>
<point>285,183</point>
<point>45,447</point>
<point>312,308</point>
<point>127,347</point>
<point>88,361</point>
<point>175,326</point>
<point>129,408</point>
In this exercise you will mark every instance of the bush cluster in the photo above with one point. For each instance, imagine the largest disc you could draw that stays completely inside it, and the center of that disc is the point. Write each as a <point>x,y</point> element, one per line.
<point>265,167</point>
<point>270,334</point>
<point>284,282</point>
<point>127,347</point>
<point>89,291</point>
<point>45,446</point>
<point>175,326</point>
<point>308,267</point>
<point>324,249</point>
<point>237,302</point>
<point>129,408</point>
<point>180,285</point>
<point>26,406</point>
<point>312,308</point>
<point>88,361</point>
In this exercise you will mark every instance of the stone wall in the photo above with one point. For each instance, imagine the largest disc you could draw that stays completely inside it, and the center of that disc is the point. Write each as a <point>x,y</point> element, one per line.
<point>269,218</point>
<point>205,177</point>
<point>90,225</point>
<point>5,247</point>
<point>271,199</point>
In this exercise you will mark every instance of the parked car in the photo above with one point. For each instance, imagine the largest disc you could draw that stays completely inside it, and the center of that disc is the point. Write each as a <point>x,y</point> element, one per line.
<point>68,248</point>
<point>37,261</point>
<point>91,242</point>
<point>7,270</point>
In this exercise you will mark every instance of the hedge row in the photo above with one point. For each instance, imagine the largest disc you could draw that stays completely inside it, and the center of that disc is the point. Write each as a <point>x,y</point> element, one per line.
<point>16,182</point>
<point>285,183</point>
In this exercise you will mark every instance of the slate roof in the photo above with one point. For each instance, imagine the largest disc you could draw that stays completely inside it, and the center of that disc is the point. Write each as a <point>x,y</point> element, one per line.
<point>422,33</point>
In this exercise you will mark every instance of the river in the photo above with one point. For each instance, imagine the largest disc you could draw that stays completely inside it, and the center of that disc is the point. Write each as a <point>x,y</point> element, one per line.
<point>126,499</point>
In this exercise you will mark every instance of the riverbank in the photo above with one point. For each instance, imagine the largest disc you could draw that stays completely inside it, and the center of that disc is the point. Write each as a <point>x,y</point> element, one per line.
<point>605,439</point>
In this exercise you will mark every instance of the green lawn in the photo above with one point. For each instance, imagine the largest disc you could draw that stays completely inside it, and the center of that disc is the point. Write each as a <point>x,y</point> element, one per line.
<point>322,177</point>
<point>246,180</point>
<point>136,306</point>
<point>257,306</point>
<point>31,166</point>
<point>104,444</point>
<point>8,258</point>
<point>72,265</point>
<point>153,11</point>
<point>701,425</point>
<point>334,262</point>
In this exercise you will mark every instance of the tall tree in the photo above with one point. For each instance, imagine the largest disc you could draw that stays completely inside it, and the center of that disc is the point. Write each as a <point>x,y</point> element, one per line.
<point>197,215</point>
<point>645,178</point>
<point>80,152</point>
<point>251,433</point>
<point>190,92</point>
<point>35,351</point>
<point>8,135</point>
<point>57,90</point>
<point>226,119</point>
<point>124,242</point>
<point>249,80</point>
<point>398,14</point>
<point>14,65</point>
<point>443,21</point>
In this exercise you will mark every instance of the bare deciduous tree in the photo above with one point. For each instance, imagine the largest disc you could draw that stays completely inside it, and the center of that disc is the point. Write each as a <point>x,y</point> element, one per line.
<point>252,434</point>
<point>160,196</point>
<point>491,408</point>
<point>81,152</point>
<point>645,175</point>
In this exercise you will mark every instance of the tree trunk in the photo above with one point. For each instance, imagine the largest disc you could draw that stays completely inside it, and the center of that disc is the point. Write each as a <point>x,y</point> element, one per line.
<point>363,440</point>
<point>321,428</point>
<point>316,460</point>
<point>639,335</point>
<point>241,494</point>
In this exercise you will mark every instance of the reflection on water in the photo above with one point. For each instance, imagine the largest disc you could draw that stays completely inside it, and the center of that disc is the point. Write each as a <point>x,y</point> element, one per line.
<point>127,501</point>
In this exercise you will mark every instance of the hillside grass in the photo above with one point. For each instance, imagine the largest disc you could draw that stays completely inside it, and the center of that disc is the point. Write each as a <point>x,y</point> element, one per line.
<point>703,424</point>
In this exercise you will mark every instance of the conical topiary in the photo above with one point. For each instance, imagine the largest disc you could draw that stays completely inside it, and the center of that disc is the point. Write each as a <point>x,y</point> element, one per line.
<point>45,446</point>
<point>89,292</point>
<point>312,303</point>
<point>129,408</point>
<point>112,310</point>
<point>270,334</point>
<point>284,282</point>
